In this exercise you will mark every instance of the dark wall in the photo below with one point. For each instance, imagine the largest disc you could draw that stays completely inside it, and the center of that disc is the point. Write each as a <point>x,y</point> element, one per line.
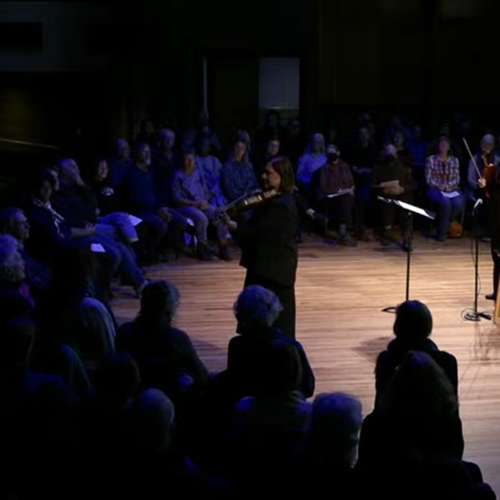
<point>424,58</point>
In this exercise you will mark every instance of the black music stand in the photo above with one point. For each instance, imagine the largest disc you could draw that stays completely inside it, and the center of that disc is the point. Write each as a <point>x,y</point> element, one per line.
<point>409,211</point>
<point>476,315</point>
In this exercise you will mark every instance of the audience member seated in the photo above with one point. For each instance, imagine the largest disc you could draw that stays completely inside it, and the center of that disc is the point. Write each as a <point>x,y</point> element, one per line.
<point>334,189</point>
<point>190,194</point>
<point>36,419</point>
<point>77,204</point>
<point>412,328</point>
<point>442,175</point>
<point>211,167</point>
<point>201,131</point>
<point>271,152</point>
<point>391,179</point>
<point>108,205</point>
<point>119,164</point>
<point>295,144</point>
<point>399,139</point>
<point>272,129</point>
<point>238,175</point>
<point>362,157</point>
<point>142,200</point>
<point>412,442</point>
<point>312,160</point>
<point>256,310</point>
<point>270,427</point>
<point>15,297</point>
<point>147,134</point>
<point>165,162</point>
<point>74,316</point>
<point>331,449</point>
<point>37,276</point>
<point>165,354</point>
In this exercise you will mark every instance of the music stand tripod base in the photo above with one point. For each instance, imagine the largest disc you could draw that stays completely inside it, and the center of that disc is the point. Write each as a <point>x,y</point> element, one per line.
<point>410,210</point>
<point>476,316</point>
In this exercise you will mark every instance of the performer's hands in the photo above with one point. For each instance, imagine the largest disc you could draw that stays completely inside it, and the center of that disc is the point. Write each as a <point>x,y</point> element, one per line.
<point>481,183</point>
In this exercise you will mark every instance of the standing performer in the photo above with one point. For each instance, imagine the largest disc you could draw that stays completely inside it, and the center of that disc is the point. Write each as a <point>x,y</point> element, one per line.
<point>267,239</point>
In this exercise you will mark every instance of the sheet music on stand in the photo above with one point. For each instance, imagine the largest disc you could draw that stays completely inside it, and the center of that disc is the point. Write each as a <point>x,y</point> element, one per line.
<point>410,208</point>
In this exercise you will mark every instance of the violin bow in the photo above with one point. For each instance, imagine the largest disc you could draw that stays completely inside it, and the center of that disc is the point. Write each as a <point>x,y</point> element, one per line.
<point>472,158</point>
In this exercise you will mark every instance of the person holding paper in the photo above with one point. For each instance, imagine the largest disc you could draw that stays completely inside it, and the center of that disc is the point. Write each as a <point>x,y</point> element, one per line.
<point>334,187</point>
<point>392,179</point>
<point>107,202</point>
<point>442,175</point>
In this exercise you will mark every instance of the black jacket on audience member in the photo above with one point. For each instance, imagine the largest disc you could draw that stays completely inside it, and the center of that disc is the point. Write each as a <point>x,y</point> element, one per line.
<point>388,361</point>
<point>76,204</point>
<point>107,201</point>
<point>243,356</point>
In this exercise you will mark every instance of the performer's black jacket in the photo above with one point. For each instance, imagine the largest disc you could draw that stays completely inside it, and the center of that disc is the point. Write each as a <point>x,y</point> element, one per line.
<point>267,239</point>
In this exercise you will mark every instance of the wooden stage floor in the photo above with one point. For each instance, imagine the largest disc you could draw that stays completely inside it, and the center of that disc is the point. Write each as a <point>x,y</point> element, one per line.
<point>340,294</point>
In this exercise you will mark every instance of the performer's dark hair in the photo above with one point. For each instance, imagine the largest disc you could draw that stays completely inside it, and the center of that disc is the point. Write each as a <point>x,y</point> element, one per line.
<point>283,167</point>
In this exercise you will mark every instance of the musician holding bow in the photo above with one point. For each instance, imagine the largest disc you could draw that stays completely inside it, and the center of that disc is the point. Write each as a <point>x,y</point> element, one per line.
<point>267,240</point>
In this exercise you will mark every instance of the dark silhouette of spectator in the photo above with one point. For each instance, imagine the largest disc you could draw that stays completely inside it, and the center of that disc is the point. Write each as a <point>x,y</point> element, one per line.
<point>119,164</point>
<point>165,354</point>
<point>412,328</point>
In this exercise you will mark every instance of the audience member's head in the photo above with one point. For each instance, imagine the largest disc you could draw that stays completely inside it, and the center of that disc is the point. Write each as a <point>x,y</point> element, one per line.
<point>153,422</point>
<point>11,261</point>
<point>239,151</point>
<point>99,169</point>
<point>147,130</point>
<point>332,153</point>
<point>419,394</point>
<point>273,147</point>
<point>334,434</point>
<point>52,173</point>
<point>16,342</point>
<point>188,160</point>
<point>122,149</point>
<point>204,146</point>
<point>166,139</point>
<point>118,376</point>
<point>159,301</point>
<point>390,153</point>
<point>443,145</point>
<point>364,137</point>
<point>413,322</point>
<point>142,154</point>
<point>69,172</point>
<point>42,187</point>
<point>272,120</point>
<point>14,222</point>
<point>398,139</point>
<point>257,308</point>
<point>317,145</point>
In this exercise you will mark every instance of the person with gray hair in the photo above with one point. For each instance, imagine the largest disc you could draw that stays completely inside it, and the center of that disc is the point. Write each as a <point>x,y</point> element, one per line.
<point>256,310</point>
<point>313,159</point>
<point>14,222</point>
<point>15,296</point>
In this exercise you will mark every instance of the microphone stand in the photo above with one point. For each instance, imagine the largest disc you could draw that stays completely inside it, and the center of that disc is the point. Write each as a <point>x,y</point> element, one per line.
<point>475,315</point>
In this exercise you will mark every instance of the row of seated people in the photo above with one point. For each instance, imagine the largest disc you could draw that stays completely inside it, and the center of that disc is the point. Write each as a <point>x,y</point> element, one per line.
<point>441,182</point>
<point>133,411</point>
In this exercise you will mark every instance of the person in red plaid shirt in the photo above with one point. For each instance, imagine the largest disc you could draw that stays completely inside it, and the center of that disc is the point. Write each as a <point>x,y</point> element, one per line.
<point>442,175</point>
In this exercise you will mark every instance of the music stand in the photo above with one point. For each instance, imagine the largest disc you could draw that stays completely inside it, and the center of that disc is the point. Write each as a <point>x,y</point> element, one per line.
<point>409,210</point>
<point>476,315</point>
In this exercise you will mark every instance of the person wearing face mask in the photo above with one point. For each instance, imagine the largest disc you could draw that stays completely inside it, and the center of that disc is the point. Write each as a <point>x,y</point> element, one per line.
<point>267,239</point>
<point>334,187</point>
<point>392,179</point>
